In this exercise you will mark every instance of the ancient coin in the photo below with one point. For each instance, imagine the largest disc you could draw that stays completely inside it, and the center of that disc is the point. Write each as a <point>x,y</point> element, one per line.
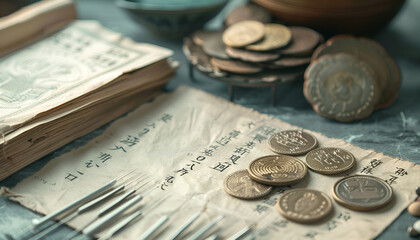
<point>213,46</point>
<point>276,36</point>
<point>304,40</point>
<point>248,12</point>
<point>234,66</point>
<point>292,142</point>
<point>287,62</point>
<point>250,56</point>
<point>200,37</point>
<point>304,205</point>
<point>329,160</point>
<point>363,193</point>
<point>243,33</point>
<point>277,170</point>
<point>196,56</point>
<point>341,87</point>
<point>388,75</point>
<point>240,185</point>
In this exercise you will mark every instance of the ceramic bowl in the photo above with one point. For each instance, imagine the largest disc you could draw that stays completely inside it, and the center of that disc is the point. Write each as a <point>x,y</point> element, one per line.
<point>363,17</point>
<point>172,18</point>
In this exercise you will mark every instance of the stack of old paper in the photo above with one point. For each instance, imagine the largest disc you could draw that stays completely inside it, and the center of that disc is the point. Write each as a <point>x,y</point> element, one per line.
<point>68,84</point>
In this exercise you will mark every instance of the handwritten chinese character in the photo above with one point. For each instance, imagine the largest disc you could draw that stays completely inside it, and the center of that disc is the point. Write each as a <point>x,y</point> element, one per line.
<point>250,145</point>
<point>392,179</point>
<point>166,117</point>
<point>234,158</point>
<point>311,234</point>
<point>241,150</point>
<point>143,132</point>
<point>234,133</point>
<point>261,208</point>
<point>221,166</point>
<point>367,170</point>
<point>258,137</point>
<point>70,177</point>
<point>118,148</point>
<point>191,166</point>
<point>401,171</point>
<point>103,157</point>
<point>375,162</point>
<point>267,131</point>
<point>270,201</point>
<point>208,152</point>
<point>280,223</point>
<point>90,164</point>
<point>130,141</point>
<point>182,171</point>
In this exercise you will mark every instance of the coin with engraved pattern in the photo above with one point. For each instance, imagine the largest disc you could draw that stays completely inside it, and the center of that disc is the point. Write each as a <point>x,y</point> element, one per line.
<point>341,87</point>
<point>304,205</point>
<point>277,170</point>
<point>372,53</point>
<point>243,33</point>
<point>292,142</point>
<point>276,36</point>
<point>240,185</point>
<point>363,193</point>
<point>330,160</point>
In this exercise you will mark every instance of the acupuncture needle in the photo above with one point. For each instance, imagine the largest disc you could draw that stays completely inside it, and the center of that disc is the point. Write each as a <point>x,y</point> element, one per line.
<point>254,234</point>
<point>146,234</point>
<point>83,209</point>
<point>130,218</point>
<point>185,226</point>
<point>206,228</point>
<point>37,222</point>
<point>242,232</point>
<point>214,236</point>
<point>111,215</point>
<point>105,209</point>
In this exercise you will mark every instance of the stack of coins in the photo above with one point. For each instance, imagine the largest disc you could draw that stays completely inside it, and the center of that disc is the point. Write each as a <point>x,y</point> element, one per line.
<point>301,204</point>
<point>350,77</point>
<point>250,45</point>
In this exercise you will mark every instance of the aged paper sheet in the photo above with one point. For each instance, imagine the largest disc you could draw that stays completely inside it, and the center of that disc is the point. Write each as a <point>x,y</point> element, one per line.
<point>190,141</point>
<point>65,66</point>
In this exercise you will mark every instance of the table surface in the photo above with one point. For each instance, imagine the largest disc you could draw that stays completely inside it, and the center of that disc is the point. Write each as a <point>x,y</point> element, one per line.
<point>394,131</point>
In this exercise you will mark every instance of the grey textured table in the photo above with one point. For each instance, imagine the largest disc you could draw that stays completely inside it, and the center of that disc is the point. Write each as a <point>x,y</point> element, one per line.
<point>394,131</point>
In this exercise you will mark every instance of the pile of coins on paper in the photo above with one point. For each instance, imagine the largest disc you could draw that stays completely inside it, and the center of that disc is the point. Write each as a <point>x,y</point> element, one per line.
<point>350,77</point>
<point>301,204</point>
<point>252,48</point>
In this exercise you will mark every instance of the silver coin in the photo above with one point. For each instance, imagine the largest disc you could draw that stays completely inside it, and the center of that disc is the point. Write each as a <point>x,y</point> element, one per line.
<point>363,193</point>
<point>292,142</point>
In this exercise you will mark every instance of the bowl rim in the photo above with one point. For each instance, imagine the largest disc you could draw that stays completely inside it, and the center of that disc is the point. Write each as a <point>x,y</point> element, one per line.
<point>140,6</point>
